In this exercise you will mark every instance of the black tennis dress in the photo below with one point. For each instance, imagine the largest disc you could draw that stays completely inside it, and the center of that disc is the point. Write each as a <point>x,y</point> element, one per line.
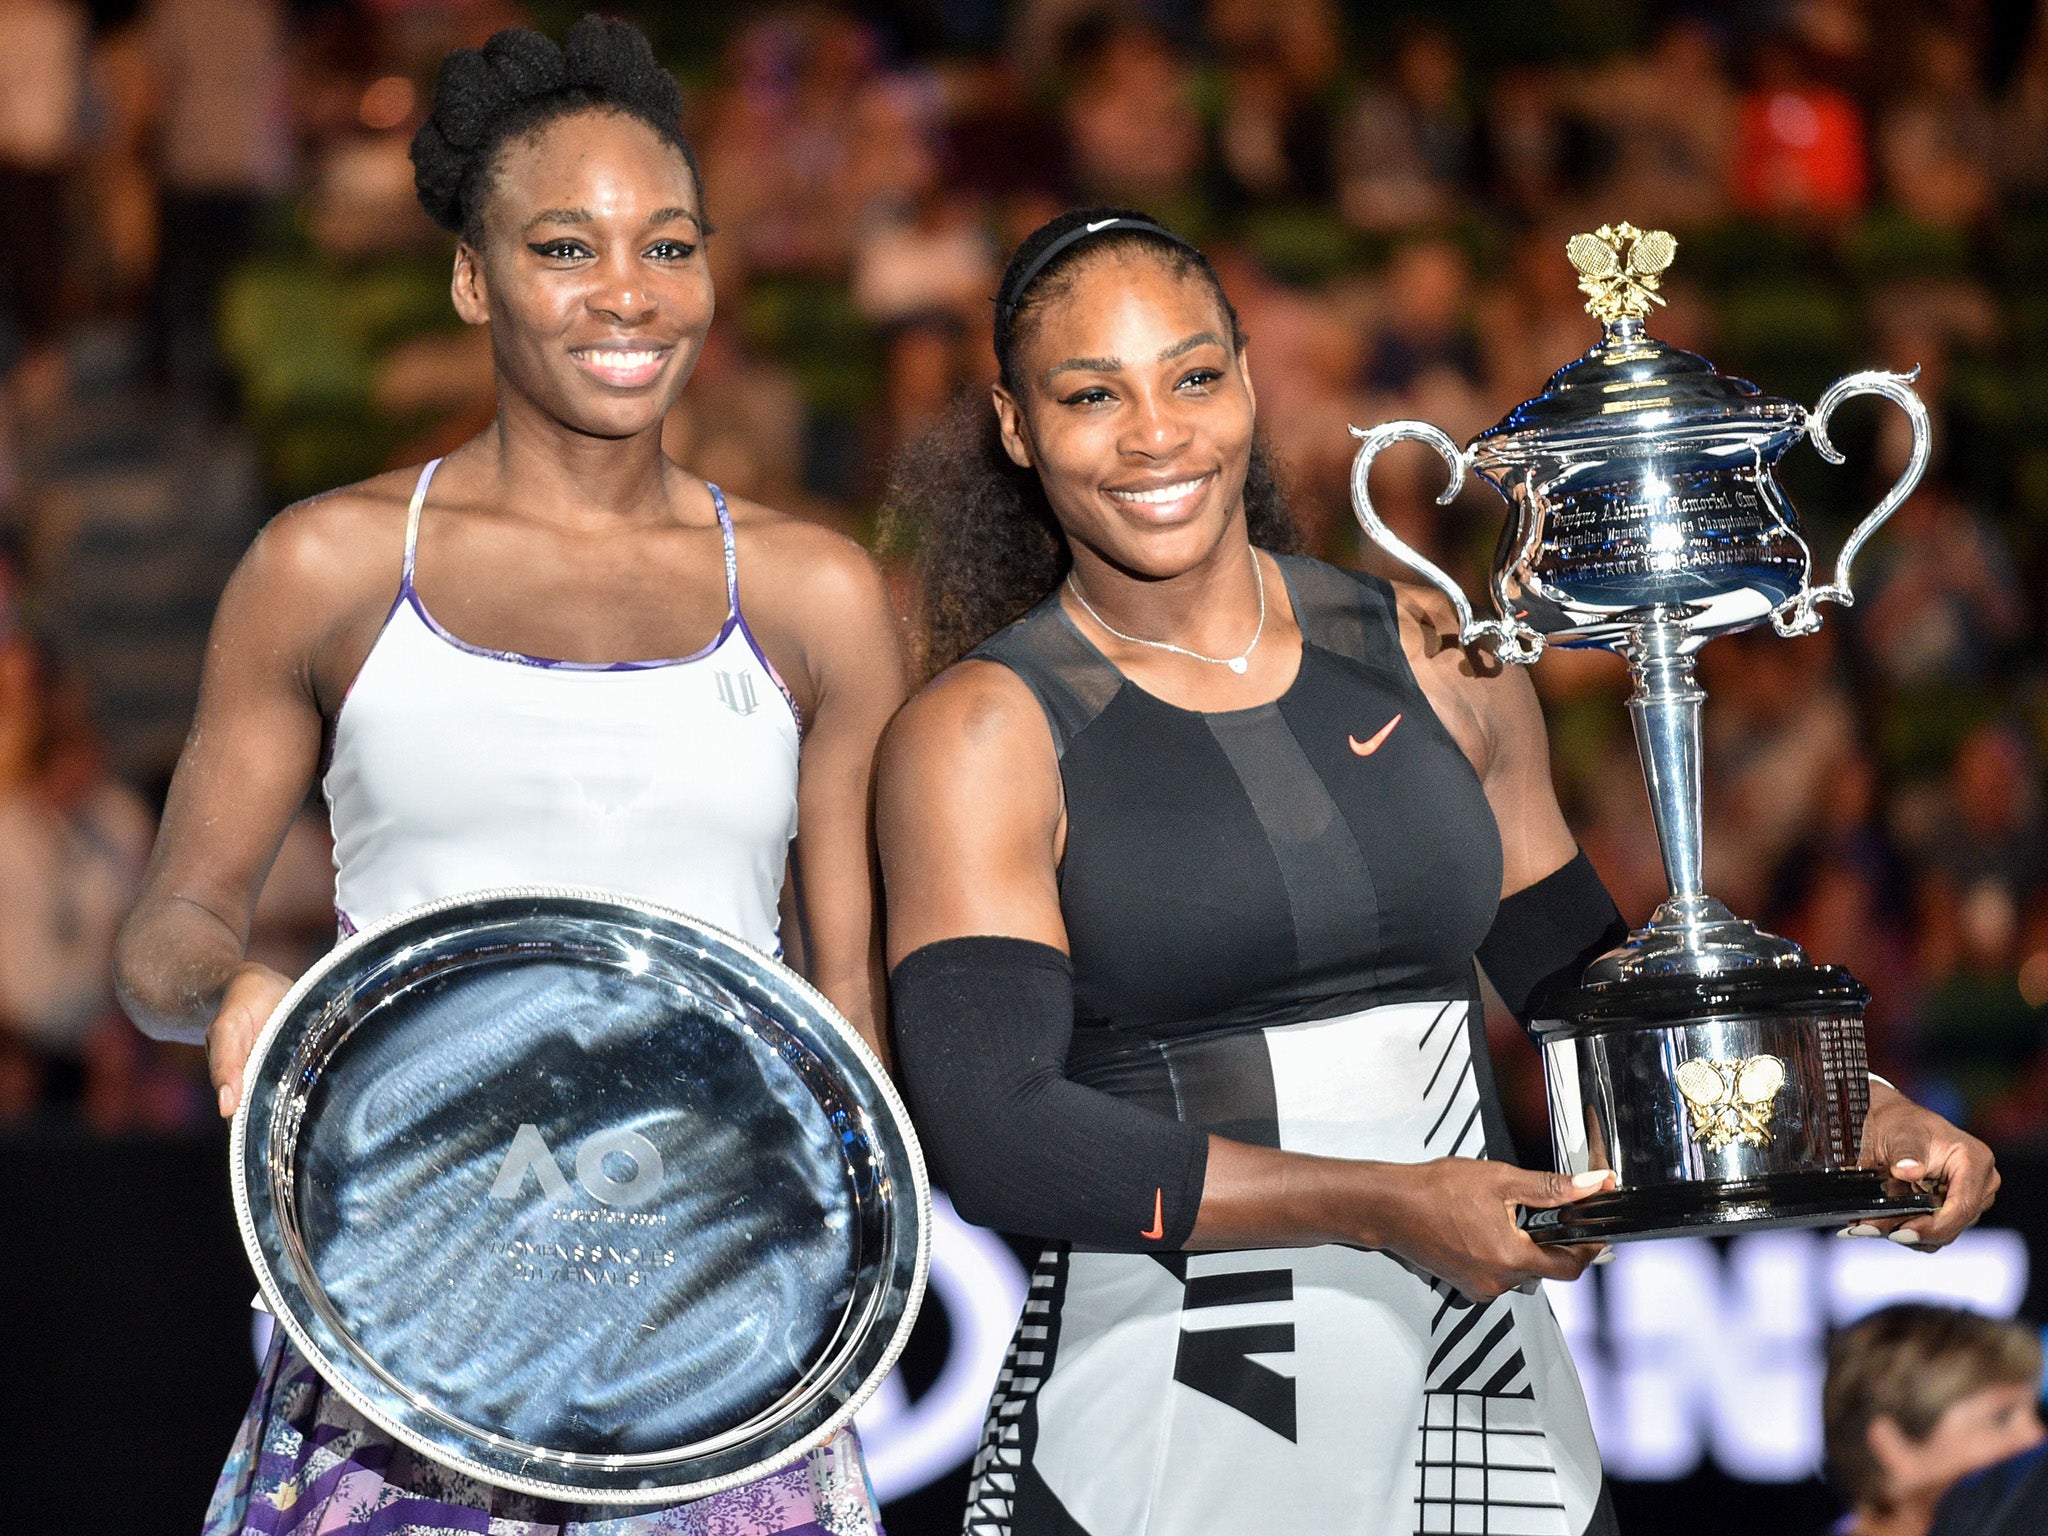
<point>1272,914</point>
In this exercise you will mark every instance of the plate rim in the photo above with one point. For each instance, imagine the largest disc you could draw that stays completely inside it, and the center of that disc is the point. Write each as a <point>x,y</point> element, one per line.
<point>284,1314</point>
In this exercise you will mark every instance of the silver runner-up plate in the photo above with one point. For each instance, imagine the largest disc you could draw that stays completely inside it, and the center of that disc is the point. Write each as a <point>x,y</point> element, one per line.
<point>580,1196</point>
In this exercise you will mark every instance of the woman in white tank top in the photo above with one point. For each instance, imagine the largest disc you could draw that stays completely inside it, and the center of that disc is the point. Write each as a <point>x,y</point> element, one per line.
<point>553,657</point>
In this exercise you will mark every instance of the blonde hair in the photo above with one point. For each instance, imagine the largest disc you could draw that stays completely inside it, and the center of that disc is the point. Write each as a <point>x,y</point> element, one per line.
<point>1911,1363</point>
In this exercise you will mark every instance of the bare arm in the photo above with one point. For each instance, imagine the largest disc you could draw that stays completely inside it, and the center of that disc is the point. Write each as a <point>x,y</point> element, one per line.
<point>1492,712</point>
<point>245,771</point>
<point>971,826</point>
<point>854,661</point>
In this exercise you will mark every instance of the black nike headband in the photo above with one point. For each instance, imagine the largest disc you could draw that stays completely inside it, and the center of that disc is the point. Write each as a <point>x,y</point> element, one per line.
<point>1014,291</point>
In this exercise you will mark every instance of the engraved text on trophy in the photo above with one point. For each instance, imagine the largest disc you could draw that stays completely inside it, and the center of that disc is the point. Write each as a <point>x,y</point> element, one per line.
<point>1604,534</point>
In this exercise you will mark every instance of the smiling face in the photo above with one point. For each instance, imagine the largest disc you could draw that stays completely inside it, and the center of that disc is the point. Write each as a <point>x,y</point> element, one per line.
<point>1136,411</point>
<point>591,274</point>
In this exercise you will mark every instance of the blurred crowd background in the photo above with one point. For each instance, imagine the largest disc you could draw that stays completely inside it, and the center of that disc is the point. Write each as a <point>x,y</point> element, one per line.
<point>217,294</point>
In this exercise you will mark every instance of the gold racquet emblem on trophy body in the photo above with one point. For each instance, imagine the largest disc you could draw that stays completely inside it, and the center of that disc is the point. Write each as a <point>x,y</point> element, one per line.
<point>1731,1100</point>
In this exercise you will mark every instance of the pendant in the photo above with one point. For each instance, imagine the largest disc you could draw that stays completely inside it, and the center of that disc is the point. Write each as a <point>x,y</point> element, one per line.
<point>1238,664</point>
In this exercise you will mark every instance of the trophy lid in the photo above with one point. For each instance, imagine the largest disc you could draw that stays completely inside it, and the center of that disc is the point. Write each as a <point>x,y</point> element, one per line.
<point>1804,989</point>
<point>1630,383</point>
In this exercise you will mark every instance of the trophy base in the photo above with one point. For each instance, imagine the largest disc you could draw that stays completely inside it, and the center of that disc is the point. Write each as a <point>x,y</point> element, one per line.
<point>1722,1207</point>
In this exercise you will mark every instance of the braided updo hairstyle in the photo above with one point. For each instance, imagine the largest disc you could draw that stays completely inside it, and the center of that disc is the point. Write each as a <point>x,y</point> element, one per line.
<point>988,548</point>
<point>519,81</point>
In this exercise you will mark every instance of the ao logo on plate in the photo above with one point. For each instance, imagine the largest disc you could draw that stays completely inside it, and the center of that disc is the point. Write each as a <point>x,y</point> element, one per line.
<point>529,1152</point>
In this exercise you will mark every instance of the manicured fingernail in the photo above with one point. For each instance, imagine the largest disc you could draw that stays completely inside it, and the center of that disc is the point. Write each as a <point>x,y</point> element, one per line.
<point>1605,1255</point>
<point>226,1102</point>
<point>1594,1180</point>
<point>1904,1164</point>
<point>1905,1237</point>
<point>1861,1229</point>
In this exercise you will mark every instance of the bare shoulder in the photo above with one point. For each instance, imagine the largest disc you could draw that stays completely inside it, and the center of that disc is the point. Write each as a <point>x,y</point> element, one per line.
<point>1489,705</point>
<point>976,722</point>
<point>1429,634</point>
<point>807,564</point>
<point>336,549</point>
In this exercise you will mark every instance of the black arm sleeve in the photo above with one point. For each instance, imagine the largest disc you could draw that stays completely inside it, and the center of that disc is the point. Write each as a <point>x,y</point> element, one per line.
<point>1545,935</point>
<point>982,1030</point>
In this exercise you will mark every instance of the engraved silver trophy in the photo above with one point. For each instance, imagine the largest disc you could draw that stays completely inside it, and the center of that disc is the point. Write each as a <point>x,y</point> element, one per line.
<point>1714,1068</point>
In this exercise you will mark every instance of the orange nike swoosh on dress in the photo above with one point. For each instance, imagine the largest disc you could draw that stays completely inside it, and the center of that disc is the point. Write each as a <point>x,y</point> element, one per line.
<point>1158,1216</point>
<point>1371,745</point>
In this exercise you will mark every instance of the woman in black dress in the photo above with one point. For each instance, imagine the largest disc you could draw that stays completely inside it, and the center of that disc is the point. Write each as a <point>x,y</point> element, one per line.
<point>1187,869</point>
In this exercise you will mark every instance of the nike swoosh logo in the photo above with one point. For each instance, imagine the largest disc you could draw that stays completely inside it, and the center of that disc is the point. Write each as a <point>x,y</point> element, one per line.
<point>1158,1217</point>
<point>1098,225</point>
<point>1371,745</point>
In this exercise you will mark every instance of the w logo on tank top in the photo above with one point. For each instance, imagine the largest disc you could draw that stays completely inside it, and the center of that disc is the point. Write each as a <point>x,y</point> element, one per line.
<point>736,692</point>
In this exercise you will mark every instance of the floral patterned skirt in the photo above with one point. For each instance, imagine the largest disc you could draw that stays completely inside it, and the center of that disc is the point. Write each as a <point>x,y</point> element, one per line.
<point>307,1464</point>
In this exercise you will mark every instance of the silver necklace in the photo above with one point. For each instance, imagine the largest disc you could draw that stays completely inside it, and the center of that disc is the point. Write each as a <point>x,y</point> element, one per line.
<point>1237,663</point>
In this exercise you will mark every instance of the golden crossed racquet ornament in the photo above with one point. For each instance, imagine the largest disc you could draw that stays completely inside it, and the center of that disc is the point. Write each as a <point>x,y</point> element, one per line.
<point>1731,1100</point>
<point>1618,267</point>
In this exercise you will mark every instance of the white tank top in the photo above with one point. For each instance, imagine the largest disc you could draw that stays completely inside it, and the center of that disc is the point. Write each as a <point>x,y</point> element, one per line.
<point>456,769</point>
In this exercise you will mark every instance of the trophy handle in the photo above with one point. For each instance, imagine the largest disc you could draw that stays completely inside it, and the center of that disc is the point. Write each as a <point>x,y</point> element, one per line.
<point>1796,615</point>
<point>1515,641</point>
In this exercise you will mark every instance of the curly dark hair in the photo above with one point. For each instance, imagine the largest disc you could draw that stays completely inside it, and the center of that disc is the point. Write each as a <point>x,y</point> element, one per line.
<point>988,548</point>
<point>519,81</point>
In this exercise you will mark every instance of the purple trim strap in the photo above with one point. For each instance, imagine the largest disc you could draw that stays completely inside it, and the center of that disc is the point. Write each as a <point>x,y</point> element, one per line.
<point>732,554</point>
<point>412,525</point>
<point>555,663</point>
<point>408,592</point>
<point>732,597</point>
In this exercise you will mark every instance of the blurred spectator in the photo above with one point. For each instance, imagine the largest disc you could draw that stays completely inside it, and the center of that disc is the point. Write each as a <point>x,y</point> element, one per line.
<point>1303,360</point>
<point>224,153</point>
<point>1842,893</point>
<point>1133,135</point>
<point>1799,143</point>
<point>42,72</point>
<point>1943,601</point>
<point>2021,160</point>
<point>741,424</point>
<point>1990,833</point>
<point>1985,869</point>
<point>923,274</point>
<point>892,159</point>
<point>1916,1398</point>
<point>1278,63</point>
<point>1777,735</point>
<point>802,134</point>
<point>932,257</point>
<point>1533,321</point>
<point>119,187</point>
<point>1426,324</point>
<point>1405,151</point>
<point>1669,116</point>
<point>1535,147</point>
<point>72,846</point>
<point>1936,145</point>
<point>1836,39</point>
<point>1611,811</point>
<point>999,139</point>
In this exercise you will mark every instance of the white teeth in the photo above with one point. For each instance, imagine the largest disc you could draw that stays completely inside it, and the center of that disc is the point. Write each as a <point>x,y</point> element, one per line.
<point>620,362</point>
<point>1163,493</point>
